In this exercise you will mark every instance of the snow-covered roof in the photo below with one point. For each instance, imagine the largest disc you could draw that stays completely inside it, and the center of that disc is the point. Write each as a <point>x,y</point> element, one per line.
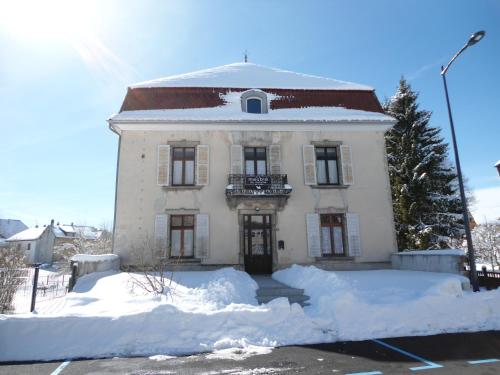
<point>9,227</point>
<point>28,234</point>
<point>232,111</point>
<point>497,163</point>
<point>248,75</point>
<point>67,228</point>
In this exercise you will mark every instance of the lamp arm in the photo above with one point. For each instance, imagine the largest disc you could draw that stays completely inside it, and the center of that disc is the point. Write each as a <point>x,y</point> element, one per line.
<point>443,71</point>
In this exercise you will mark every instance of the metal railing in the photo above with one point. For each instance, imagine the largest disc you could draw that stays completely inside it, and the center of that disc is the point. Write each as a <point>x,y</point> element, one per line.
<point>258,185</point>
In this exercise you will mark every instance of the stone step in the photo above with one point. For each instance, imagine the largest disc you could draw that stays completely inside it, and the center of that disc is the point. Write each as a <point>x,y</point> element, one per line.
<point>279,291</point>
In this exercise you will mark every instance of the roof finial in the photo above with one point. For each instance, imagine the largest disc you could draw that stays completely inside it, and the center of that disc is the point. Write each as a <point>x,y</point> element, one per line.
<point>246,56</point>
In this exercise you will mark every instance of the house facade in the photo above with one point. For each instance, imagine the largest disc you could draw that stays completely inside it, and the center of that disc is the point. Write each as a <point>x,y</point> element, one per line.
<point>36,243</point>
<point>253,167</point>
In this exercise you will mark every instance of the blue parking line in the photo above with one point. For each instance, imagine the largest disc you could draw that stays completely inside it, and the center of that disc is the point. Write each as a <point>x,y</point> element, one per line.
<point>61,367</point>
<point>480,361</point>
<point>430,365</point>
<point>366,373</point>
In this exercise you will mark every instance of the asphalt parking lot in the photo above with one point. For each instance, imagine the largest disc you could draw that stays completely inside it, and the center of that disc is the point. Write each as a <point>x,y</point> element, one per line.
<point>464,353</point>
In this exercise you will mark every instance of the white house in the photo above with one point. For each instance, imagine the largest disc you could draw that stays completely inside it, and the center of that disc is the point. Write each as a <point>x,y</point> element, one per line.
<point>253,167</point>
<point>37,244</point>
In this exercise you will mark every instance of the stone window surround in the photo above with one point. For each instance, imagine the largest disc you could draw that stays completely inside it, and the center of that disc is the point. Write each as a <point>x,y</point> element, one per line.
<point>254,94</point>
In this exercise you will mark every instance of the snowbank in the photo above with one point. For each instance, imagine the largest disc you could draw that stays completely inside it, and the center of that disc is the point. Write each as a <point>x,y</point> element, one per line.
<point>109,314</point>
<point>388,303</point>
<point>88,263</point>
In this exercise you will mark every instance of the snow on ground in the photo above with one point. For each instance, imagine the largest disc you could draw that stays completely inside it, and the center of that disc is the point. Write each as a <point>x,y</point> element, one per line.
<point>387,303</point>
<point>108,314</point>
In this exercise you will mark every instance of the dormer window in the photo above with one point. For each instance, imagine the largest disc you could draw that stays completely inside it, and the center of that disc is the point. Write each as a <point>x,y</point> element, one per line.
<point>254,105</point>
<point>254,101</point>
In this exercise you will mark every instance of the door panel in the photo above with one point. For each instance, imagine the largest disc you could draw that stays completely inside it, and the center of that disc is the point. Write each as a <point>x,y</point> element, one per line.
<point>257,240</point>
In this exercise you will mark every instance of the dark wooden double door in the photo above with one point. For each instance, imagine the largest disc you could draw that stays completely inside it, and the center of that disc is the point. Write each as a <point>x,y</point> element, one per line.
<point>258,243</point>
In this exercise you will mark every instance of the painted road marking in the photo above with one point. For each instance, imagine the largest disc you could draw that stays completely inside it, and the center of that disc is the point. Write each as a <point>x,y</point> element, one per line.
<point>61,367</point>
<point>366,373</point>
<point>480,361</point>
<point>430,365</point>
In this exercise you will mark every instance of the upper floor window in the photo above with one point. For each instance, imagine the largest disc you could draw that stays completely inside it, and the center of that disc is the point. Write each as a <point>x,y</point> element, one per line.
<point>255,161</point>
<point>327,166</point>
<point>254,101</point>
<point>183,165</point>
<point>254,105</point>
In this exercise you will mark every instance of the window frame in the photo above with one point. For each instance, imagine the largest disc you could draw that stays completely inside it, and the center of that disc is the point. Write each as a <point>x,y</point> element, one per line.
<point>332,224</point>
<point>260,101</point>
<point>327,161</point>
<point>182,228</point>
<point>255,160</point>
<point>183,159</point>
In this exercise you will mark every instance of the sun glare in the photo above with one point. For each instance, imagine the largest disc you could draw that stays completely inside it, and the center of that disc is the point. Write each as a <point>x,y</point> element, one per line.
<point>48,20</point>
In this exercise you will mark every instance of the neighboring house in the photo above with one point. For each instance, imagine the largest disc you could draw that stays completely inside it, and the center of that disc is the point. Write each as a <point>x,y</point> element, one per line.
<point>253,167</point>
<point>37,244</point>
<point>8,228</point>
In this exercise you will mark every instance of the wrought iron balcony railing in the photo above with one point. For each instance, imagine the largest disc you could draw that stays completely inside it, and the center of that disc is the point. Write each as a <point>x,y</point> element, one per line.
<point>258,185</point>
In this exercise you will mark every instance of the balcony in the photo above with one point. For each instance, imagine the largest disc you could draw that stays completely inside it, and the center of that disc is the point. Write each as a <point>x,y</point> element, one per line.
<point>259,186</point>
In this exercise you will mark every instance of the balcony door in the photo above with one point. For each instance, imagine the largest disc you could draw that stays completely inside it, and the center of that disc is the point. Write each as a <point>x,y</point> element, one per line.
<point>257,242</point>
<point>255,161</point>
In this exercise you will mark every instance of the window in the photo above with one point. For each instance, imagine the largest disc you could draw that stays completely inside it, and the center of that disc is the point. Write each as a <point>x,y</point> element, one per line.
<point>254,105</point>
<point>28,247</point>
<point>255,161</point>
<point>327,165</point>
<point>183,166</point>
<point>181,235</point>
<point>332,235</point>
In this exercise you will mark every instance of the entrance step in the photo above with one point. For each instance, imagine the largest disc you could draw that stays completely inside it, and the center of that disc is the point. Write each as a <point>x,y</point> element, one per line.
<point>270,289</point>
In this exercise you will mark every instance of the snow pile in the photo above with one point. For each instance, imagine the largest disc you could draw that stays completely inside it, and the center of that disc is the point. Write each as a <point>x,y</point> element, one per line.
<point>248,75</point>
<point>94,258</point>
<point>232,111</point>
<point>388,303</point>
<point>108,315</point>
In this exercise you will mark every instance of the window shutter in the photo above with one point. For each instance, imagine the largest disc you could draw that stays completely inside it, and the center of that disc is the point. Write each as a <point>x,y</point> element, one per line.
<point>274,159</point>
<point>236,159</point>
<point>161,233</point>
<point>202,164</point>
<point>309,159</point>
<point>202,236</point>
<point>353,234</point>
<point>163,165</point>
<point>346,159</point>
<point>313,236</point>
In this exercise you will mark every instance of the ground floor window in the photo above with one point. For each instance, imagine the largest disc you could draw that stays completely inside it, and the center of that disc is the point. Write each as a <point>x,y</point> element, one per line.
<point>181,235</point>
<point>332,234</point>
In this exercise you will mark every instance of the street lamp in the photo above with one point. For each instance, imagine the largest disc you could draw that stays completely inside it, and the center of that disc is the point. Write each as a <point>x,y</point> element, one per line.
<point>476,37</point>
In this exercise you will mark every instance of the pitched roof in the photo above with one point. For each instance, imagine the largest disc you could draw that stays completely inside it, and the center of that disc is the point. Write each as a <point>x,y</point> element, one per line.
<point>28,234</point>
<point>9,227</point>
<point>248,75</point>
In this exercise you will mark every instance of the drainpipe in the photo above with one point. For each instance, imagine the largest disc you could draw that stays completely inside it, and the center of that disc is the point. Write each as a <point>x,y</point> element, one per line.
<point>111,127</point>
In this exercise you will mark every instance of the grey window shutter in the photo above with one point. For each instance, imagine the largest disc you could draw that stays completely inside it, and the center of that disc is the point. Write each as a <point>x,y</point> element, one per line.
<point>309,158</point>
<point>274,152</point>
<point>346,160</point>
<point>163,165</point>
<point>202,233</point>
<point>353,235</point>
<point>236,159</point>
<point>161,233</point>
<point>313,236</point>
<point>202,164</point>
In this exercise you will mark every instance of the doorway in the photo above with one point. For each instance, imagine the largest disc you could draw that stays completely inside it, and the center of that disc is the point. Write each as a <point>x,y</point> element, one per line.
<point>258,244</point>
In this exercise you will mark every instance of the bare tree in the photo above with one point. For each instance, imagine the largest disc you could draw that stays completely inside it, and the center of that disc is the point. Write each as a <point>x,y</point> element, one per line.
<point>152,266</point>
<point>12,274</point>
<point>486,239</point>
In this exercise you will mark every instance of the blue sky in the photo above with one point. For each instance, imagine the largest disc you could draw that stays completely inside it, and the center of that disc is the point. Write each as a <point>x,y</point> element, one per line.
<point>64,70</point>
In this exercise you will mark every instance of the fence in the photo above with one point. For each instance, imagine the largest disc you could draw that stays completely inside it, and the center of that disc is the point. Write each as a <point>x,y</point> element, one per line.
<point>23,290</point>
<point>488,279</point>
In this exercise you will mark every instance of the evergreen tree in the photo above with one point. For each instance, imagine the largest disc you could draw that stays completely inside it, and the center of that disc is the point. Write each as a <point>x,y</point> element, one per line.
<point>427,207</point>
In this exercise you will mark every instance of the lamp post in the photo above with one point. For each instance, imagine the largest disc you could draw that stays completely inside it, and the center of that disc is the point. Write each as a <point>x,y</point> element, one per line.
<point>476,37</point>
